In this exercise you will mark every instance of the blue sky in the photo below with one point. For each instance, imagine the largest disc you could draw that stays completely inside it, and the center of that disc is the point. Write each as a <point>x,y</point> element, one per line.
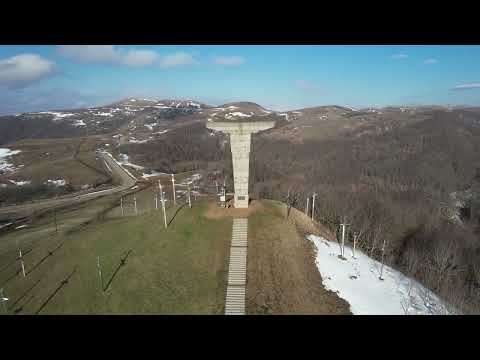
<point>34,78</point>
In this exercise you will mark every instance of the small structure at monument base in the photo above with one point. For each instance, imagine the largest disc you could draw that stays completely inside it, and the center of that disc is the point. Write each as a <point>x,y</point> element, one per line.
<point>240,135</point>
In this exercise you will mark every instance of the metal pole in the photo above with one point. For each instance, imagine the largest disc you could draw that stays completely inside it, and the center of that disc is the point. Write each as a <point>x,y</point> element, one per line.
<point>313,205</point>
<point>173,185</point>
<point>343,236</point>
<point>306,209</point>
<point>383,252</point>
<point>121,204</point>
<point>355,235</point>
<point>100,272</point>
<point>21,261</point>
<point>189,199</point>
<point>135,202</point>
<point>3,299</point>
<point>162,199</point>
<point>156,201</point>
<point>216,186</point>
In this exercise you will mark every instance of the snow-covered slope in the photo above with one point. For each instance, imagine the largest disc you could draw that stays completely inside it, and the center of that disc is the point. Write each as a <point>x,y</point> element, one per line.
<point>357,281</point>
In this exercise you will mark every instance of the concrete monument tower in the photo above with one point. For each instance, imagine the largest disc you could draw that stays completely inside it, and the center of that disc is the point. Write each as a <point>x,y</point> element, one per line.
<point>240,133</point>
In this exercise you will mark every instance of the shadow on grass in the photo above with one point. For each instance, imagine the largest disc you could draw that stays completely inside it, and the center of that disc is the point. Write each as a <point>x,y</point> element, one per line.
<point>50,253</point>
<point>176,212</point>
<point>21,297</point>
<point>11,277</point>
<point>14,261</point>
<point>122,263</point>
<point>62,284</point>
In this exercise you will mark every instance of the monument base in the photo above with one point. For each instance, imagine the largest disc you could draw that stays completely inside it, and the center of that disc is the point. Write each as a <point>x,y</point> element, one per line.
<point>241,202</point>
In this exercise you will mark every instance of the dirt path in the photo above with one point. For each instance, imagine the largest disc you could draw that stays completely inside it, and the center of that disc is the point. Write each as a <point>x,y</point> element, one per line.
<point>282,277</point>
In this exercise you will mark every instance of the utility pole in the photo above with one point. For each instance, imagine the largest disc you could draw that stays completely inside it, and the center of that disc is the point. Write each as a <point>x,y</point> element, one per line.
<point>162,199</point>
<point>313,205</point>
<point>155,196</point>
<point>344,225</point>
<point>21,262</point>
<point>135,203</point>
<point>383,253</point>
<point>173,185</point>
<point>306,208</point>
<point>100,272</point>
<point>121,204</point>
<point>355,236</point>
<point>189,200</point>
<point>3,299</point>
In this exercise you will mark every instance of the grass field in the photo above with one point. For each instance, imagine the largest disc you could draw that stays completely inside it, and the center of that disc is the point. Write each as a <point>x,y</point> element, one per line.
<point>146,269</point>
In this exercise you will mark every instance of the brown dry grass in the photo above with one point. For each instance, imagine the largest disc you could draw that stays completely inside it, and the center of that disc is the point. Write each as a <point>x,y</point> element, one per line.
<point>282,276</point>
<point>216,212</point>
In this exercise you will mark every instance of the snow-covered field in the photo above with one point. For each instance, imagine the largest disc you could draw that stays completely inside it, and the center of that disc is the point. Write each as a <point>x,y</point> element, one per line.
<point>357,281</point>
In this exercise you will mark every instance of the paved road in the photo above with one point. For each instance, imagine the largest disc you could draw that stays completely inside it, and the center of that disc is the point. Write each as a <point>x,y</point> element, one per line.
<point>127,181</point>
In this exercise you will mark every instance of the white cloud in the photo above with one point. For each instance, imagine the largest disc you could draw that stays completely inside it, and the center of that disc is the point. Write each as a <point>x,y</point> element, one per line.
<point>430,61</point>
<point>467,86</point>
<point>90,53</point>
<point>176,59</point>
<point>115,55</point>
<point>307,85</point>
<point>22,70</point>
<point>229,60</point>
<point>399,56</point>
<point>137,58</point>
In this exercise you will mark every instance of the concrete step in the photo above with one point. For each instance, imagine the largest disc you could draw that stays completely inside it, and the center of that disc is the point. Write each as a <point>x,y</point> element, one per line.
<point>237,268</point>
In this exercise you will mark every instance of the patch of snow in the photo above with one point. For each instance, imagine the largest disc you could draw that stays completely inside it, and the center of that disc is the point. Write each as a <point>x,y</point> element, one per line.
<point>190,103</point>
<point>57,115</point>
<point>21,227</point>
<point>236,114</point>
<point>150,126</point>
<point>160,132</point>
<point>357,281</point>
<point>102,114</point>
<point>20,183</point>
<point>153,173</point>
<point>5,166</point>
<point>190,179</point>
<point>79,123</point>
<point>59,182</point>
<point>162,107</point>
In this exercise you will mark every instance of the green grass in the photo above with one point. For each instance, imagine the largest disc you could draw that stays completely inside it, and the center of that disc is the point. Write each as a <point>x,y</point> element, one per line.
<point>179,270</point>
